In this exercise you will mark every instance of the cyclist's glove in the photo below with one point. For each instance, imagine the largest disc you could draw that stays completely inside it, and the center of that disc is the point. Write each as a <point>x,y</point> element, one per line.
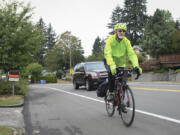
<point>138,70</point>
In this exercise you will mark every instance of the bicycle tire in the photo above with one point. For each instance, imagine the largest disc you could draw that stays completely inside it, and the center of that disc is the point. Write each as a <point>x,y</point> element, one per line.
<point>128,115</point>
<point>110,107</point>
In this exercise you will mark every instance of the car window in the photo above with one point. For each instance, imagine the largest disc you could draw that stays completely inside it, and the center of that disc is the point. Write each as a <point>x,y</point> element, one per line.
<point>81,68</point>
<point>76,68</point>
<point>95,66</point>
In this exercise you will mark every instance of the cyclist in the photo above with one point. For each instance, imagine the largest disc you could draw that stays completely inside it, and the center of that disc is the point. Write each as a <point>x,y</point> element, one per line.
<point>116,49</point>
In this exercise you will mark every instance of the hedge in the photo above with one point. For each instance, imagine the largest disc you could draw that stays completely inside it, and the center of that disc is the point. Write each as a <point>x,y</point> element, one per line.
<point>50,78</point>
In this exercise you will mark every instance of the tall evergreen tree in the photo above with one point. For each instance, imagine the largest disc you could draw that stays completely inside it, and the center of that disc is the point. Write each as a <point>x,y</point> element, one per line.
<point>177,25</point>
<point>98,46</point>
<point>51,37</point>
<point>116,17</point>
<point>161,26</point>
<point>98,50</point>
<point>42,24</point>
<point>40,56</point>
<point>135,18</point>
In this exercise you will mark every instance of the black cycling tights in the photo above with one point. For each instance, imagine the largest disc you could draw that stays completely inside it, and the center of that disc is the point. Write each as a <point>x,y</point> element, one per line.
<point>111,82</point>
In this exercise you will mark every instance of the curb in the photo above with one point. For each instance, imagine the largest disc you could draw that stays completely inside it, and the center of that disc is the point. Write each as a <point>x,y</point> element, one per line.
<point>13,106</point>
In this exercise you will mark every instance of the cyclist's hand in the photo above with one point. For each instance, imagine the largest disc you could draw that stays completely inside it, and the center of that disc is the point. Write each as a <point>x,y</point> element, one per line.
<point>113,70</point>
<point>138,70</point>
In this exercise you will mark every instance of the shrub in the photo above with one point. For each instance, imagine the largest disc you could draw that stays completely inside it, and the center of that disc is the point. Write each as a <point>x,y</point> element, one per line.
<point>50,78</point>
<point>177,71</point>
<point>5,88</point>
<point>59,74</point>
<point>162,70</point>
<point>20,88</point>
<point>35,70</point>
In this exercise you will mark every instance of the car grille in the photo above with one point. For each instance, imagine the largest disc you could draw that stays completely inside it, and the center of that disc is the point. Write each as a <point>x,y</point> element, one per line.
<point>103,74</point>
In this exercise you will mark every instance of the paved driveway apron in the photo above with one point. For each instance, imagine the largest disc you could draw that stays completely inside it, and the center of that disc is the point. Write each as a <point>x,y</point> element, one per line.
<point>12,117</point>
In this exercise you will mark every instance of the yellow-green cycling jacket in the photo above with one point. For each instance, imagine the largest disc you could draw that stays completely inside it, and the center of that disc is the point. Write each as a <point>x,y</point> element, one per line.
<point>115,53</point>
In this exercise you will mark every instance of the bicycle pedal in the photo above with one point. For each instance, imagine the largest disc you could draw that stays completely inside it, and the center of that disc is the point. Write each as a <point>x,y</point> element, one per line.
<point>128,104</point>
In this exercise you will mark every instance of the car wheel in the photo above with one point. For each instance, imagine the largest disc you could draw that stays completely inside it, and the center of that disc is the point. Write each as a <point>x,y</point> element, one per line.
<point>75,85</point>
<point>88,85</point>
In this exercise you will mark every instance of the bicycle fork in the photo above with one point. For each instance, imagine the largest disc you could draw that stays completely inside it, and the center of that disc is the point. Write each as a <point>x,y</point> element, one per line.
<point>122,92</point>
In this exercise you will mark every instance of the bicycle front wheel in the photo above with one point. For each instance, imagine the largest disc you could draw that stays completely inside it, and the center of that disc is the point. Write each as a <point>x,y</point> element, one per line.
<point>127,107</point>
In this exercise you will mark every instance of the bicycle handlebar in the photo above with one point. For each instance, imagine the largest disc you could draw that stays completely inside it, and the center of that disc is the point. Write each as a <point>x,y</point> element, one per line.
<point>119,70</point>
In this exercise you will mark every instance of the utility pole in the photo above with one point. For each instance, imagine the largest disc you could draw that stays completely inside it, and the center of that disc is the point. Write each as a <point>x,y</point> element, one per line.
<point>70,57</point>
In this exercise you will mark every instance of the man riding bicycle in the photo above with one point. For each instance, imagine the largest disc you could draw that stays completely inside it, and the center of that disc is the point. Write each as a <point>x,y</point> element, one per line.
<point>116,49</point>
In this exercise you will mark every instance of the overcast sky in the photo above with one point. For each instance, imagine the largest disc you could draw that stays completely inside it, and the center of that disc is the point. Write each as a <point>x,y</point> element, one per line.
<point>87,19</point>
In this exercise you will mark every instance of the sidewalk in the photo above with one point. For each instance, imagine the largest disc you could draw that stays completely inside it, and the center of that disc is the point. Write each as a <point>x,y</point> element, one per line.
<point>12,116</point>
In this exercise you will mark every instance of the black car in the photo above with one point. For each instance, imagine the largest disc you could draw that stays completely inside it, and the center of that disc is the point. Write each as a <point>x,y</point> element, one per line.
<point>89,74</point>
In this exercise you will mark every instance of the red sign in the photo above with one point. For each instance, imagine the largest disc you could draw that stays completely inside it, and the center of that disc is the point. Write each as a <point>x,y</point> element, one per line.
<point>14,75</point>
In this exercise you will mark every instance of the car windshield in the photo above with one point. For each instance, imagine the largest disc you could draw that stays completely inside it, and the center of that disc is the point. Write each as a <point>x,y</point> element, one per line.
<point>95,66</point>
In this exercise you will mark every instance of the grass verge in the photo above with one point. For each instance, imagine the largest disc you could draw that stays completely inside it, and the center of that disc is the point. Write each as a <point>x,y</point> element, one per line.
<point>10,100</point>
<point>6,131</point>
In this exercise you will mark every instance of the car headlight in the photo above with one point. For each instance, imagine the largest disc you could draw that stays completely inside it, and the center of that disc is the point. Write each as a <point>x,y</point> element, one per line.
<point>94,75</point>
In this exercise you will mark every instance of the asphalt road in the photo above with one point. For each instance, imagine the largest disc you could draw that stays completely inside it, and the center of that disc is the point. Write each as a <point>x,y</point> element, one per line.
<point>57,109</point>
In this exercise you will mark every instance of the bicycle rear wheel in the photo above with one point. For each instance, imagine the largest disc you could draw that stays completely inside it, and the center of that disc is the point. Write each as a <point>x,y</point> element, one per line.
<point>110,108</point>
<point>127,107</point>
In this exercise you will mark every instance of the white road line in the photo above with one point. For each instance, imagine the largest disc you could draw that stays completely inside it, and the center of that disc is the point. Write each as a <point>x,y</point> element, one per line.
<point>139,111</point>
<point>76,94</point>
<point>159,116</point>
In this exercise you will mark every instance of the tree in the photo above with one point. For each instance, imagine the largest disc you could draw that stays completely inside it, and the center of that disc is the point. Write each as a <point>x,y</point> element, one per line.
<point>20,40</point>
<point>71,49</point>
<point>116,17</point>
<point>98,46</point>
<point>98,57</point>
<point>34,70</point>
<point>174,44</point>
<point>135,18</point>
<point>177,25</point>
<point>40,55</point>
<point>55,59</point>
<point>51,37</point>
<point>160,28</point>
<point>98,50</point>
<point>48,42</point>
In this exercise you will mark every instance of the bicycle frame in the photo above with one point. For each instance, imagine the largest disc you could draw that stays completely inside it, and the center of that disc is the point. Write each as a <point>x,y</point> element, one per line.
<point>122,80</point>
<point>117,95</point>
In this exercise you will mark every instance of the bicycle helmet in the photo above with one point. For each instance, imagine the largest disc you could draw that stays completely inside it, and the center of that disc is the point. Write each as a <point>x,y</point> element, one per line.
<point>120,26</point>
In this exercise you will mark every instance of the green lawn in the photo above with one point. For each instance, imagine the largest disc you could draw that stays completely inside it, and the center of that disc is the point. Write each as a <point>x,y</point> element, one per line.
<point>10,100</point>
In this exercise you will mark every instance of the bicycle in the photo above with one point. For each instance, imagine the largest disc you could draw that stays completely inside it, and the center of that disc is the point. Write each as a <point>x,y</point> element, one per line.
<point>123,97</point>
